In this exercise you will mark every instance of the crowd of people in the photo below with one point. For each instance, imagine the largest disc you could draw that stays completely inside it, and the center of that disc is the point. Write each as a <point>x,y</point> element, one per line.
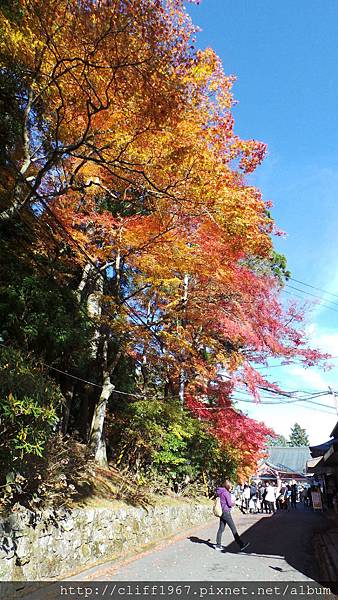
<point>254,498</point>
<point>269,497</point>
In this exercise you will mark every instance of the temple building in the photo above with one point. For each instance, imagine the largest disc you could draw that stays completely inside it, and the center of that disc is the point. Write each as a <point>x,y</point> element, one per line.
<point>286,463</point>
<point>323,466</point>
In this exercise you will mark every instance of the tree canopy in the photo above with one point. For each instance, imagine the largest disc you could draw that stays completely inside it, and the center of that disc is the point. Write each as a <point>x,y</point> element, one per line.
<point>137,263</point>
<point>279,440</point>
<point>298,436</point>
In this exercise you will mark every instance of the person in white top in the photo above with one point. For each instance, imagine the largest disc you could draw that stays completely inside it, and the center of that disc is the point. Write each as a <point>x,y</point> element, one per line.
<point>270,498</point>
<point>246,496</point>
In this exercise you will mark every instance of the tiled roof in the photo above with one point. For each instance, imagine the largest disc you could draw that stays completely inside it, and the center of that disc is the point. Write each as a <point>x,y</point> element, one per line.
<point>289,458</point>
<point>320,449</point>
<point>334,432</point>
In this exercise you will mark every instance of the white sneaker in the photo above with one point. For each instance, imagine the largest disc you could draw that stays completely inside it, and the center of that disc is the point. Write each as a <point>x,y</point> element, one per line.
<point>218,548</point>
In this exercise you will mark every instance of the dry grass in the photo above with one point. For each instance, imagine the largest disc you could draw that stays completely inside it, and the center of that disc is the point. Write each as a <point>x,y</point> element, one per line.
<point>112,484</point>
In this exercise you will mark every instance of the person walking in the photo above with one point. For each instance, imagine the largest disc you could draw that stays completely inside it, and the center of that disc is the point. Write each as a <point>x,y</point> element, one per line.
<point>288,497</point>
<point>253,498</point>
<point>261,496</point>
<point>293,497</point>
<point>227,503</point>
<point>270,498</point>
<point>281,498</point>
<point>246,496</point>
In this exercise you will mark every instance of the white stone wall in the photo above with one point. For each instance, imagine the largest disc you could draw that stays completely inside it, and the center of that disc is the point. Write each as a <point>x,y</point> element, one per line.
<point>55,545</point>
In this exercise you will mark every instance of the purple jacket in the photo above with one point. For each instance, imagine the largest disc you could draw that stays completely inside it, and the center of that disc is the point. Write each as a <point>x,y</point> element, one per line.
<point>225,497</point>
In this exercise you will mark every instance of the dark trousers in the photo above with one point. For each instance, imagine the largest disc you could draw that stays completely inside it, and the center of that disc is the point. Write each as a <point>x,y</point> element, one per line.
<point>226,519</point>
<point>270,506</point>
<point>254,499</point>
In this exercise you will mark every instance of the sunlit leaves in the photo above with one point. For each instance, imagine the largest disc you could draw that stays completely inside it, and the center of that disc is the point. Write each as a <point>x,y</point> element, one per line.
<point>129,149</point>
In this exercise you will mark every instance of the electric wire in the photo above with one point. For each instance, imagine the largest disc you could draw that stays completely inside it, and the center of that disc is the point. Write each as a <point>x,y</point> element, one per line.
<point>313,287</point>
<point>287,402</point>
<point>321,410</point>
<point>327,306</point>
<point>292,397</point>
<point>291,287</point>
<point>70,237</point>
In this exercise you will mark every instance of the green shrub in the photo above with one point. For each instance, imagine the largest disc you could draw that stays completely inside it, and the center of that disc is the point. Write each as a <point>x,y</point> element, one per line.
<point>28,414</point>
<point>165,445</point>
<point>28,406</point>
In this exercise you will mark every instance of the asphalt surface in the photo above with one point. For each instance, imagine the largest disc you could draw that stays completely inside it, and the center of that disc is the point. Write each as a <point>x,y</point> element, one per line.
<point>280,549</point>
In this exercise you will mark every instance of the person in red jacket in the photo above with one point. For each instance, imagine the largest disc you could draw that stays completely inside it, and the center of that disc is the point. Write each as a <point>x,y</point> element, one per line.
<point>227,503</point>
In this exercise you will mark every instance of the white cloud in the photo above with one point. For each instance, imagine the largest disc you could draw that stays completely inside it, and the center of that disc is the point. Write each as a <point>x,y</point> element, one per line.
<point>307,377</point>
<point>327,341</point>
<point>317,420</point>
<point>281,418</point>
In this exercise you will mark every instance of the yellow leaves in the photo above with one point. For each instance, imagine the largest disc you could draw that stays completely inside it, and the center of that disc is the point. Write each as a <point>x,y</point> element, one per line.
<point>207,72</point>
<point>206,63</point>
<point>153,190</point>
<point>22,434</point>
<point>234,361</point>
<point>14,42</point>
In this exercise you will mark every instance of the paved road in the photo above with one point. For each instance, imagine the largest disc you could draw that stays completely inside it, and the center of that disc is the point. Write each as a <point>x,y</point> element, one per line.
<point>280,550</point>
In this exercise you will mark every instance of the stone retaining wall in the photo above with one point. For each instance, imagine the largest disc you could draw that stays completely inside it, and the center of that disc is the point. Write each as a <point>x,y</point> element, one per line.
<point>54,545</point>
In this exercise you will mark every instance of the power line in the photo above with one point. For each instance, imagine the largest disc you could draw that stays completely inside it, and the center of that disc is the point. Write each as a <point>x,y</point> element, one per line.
<point>313,393</point>
<point>313,287</point>
<point>271,393</point>
<point>304,299</point>
<point>102,274</point>
<point>293,400</point>
<point>263,402</point>
<point>292,287</point>
<point>280,365</point>
<point>278,403</point>
<point>81,379</point>
<point>308,293</point>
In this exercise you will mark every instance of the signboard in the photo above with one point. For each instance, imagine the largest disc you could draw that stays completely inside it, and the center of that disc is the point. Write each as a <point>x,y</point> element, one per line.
<point>316,501</point>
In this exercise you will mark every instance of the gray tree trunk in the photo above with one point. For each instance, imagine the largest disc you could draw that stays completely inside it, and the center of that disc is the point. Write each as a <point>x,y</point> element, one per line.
<point>97,441</point>
<point>68,392</point>
<point>182,377</point>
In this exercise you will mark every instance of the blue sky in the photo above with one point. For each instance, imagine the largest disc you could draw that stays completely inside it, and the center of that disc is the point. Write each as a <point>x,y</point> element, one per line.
<point>285,58</point>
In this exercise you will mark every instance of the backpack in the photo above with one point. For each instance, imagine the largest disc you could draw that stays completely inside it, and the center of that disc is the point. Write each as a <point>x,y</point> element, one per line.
<point>217,508</point>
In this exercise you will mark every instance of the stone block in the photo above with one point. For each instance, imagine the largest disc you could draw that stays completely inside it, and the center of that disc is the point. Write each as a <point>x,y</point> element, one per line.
<point>8,545</point>
<point>89,515</point>
<point>85,553</point>
<point>42,549</point>
<point>7,569</point>
<point>23,548</point>
<point>67,524</point>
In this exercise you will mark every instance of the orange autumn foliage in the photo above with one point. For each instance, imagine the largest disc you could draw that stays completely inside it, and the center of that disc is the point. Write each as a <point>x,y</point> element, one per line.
<point>131,147</point>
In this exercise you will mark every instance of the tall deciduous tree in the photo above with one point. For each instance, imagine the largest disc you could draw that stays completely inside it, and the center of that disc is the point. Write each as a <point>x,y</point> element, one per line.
<point>123,163</point>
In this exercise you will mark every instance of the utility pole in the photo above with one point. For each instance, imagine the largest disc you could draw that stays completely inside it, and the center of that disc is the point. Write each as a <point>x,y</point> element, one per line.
<point>334,396</point>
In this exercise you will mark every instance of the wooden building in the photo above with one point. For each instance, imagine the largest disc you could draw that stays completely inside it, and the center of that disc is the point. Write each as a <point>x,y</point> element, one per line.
<point>323,466</point>
<point>286,463</point>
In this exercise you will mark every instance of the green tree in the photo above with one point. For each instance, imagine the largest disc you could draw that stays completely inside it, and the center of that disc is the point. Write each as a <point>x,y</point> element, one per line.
<point>279,440</point>
<point>298,436</point>
<point>29,401</point>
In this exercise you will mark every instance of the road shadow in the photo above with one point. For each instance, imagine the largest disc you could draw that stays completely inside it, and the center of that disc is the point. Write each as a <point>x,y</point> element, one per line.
<point>286,535</point>
<point>197,540</point>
